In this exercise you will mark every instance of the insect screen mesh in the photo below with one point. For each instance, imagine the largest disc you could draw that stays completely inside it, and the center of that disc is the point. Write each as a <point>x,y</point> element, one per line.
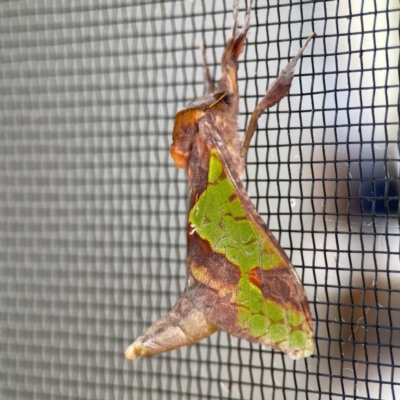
<point>93,211</point>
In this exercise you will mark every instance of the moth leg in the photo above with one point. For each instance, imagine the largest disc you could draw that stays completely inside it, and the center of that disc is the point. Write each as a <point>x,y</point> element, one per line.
<point>274,95</point>
<point>233,49</point>
<point>210,80</point>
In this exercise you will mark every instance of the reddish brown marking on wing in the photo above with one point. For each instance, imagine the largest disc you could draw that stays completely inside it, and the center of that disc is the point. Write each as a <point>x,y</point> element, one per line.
<point>218,267</point>
<point>205,246</point>
<point>254,277</point>
<point>281,286</point>
<point>194,195</point>
<point>233,197</point>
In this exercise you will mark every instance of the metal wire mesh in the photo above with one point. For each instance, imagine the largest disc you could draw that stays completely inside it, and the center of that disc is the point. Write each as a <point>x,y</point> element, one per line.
<point>92,218</point>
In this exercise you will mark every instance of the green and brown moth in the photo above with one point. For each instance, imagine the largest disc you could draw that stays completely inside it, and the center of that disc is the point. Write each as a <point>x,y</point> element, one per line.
<point>239,279</point>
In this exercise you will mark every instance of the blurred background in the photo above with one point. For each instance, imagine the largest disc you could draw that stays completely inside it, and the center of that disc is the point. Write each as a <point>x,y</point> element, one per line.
<point>93,210</point>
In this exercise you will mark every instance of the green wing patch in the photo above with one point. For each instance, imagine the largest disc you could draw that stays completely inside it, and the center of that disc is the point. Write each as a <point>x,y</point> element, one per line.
<point>220,218</point>
<point>267,304</point>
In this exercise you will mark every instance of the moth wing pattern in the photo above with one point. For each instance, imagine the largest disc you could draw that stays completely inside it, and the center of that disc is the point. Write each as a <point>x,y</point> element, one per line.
<point>238,275</point>
<point>239,279</point>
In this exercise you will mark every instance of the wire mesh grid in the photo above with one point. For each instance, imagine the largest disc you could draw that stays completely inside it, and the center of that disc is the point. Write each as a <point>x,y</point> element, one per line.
<point>93,211</point>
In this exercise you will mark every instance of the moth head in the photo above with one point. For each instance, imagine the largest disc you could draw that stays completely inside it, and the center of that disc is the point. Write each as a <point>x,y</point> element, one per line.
<point>186,126</point>
<point>187,123</point>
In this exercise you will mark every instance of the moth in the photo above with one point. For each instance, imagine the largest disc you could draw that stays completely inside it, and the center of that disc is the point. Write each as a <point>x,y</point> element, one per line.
<point>239,279</point>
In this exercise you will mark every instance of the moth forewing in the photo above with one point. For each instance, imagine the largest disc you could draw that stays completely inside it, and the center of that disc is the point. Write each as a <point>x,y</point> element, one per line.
<point>239,279</point>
